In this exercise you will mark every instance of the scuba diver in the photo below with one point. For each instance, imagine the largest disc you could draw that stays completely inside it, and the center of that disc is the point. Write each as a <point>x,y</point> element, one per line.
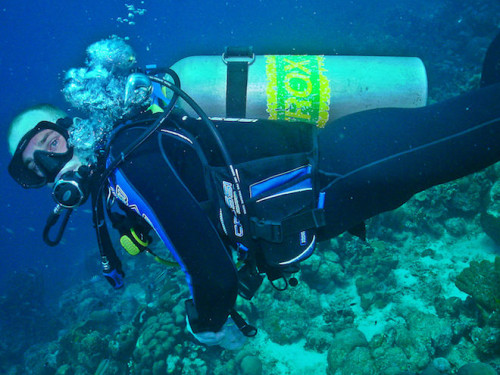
<point>236,199</point>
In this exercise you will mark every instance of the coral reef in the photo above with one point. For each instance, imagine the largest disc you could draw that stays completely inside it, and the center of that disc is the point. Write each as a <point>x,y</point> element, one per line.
<point>481,280</point>
<point>251,365</point>
<point>156,346</point>
<point>476,369</point>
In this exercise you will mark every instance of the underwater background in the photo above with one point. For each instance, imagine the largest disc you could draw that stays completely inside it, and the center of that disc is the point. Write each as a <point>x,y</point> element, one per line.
<point>423,297</point>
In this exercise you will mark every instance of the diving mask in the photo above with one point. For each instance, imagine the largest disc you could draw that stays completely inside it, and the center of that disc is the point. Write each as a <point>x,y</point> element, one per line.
<point>48,164</point>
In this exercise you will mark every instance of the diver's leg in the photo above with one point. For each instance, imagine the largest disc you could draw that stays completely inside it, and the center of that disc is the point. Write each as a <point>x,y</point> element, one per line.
<point>491,64</point>
<point>374,161</point>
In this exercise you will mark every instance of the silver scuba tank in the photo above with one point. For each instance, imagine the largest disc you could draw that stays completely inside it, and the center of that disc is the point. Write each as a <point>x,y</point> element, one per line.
<point>306,88</point>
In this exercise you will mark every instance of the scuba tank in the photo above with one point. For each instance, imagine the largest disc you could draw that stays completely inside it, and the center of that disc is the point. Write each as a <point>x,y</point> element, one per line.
<point>305,88</point>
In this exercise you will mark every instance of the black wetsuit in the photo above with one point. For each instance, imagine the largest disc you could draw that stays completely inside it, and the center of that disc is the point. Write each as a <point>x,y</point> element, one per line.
<point>374,161</point>
<point>368,163</point>
<point>166,182</point>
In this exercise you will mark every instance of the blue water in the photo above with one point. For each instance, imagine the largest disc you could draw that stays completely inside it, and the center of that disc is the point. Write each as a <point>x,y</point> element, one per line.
<point>42,39</point>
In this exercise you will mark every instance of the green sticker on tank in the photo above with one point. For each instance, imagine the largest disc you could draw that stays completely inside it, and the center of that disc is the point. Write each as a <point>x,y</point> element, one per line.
<point>297,89</point>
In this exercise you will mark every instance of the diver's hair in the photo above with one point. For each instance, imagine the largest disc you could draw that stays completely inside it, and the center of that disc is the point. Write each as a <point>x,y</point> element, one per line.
<point>22,123</point>
<point>50,109</point>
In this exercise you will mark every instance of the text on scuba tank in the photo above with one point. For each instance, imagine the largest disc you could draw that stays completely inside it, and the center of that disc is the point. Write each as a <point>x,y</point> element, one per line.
<point>297,89</point>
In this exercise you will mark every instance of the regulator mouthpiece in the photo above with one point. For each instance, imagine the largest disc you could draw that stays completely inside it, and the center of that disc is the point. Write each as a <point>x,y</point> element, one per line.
<point>72,188</point>
<point>137,90</point>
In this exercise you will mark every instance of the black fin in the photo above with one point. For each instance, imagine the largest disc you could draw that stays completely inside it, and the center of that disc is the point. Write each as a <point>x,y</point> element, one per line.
<point>359,231</point>
<point>491,64</point>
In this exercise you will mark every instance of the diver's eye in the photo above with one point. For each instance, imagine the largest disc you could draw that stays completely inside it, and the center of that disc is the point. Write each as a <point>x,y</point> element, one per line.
<point>53,144</point>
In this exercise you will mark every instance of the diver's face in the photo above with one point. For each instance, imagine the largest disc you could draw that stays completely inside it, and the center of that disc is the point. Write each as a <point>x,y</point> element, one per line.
<point>46,140</point>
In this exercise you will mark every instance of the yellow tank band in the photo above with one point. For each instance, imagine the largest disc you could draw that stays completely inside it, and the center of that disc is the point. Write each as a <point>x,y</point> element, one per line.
<point>297,88</point>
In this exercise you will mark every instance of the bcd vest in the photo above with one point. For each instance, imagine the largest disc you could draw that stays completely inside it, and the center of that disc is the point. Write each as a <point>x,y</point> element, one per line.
<point>279,214</point>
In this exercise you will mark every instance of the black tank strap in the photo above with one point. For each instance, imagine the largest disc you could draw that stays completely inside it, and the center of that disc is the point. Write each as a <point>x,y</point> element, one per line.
<point>237,59</point>
<point>274,231</point>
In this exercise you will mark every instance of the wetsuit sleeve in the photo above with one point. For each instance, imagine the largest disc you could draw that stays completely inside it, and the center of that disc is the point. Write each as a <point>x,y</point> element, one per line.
<point>150,185</point>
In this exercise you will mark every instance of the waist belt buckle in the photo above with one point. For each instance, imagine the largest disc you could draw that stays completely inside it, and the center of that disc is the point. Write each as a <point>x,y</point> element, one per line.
<point>266,230</point>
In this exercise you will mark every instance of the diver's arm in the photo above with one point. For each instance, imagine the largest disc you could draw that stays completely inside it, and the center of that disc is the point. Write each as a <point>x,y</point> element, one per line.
<point>150,183</point>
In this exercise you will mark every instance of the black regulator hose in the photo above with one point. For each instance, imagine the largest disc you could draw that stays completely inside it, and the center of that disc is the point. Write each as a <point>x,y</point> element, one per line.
<point>222,147</point>
<point>98,214</point>
<point>97,199</point>
<point>51,221</point>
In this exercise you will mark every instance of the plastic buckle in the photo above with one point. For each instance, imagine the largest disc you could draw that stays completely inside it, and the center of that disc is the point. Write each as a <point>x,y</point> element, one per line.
<point>114,278</point>
<point>249,281</point>
<point>267,230</point>
<point>319,217</point>
<point>243,326</point>
<point>242,251</point>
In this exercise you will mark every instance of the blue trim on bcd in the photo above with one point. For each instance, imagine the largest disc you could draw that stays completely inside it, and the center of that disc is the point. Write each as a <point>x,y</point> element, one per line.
<point>135,201</point>
<point>273,182</point>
